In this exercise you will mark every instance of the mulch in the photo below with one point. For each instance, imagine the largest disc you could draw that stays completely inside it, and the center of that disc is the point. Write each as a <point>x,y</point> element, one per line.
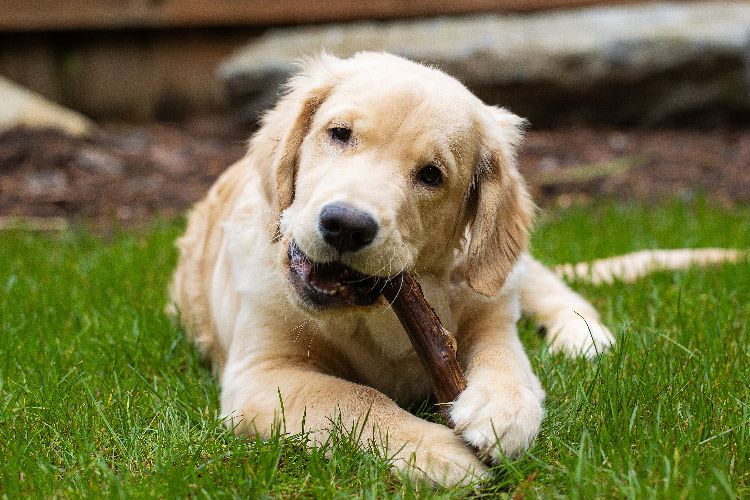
<point>124,176</point>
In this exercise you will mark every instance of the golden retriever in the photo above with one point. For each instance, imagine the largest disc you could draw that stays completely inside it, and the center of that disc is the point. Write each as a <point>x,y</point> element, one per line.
<point>366,167</point>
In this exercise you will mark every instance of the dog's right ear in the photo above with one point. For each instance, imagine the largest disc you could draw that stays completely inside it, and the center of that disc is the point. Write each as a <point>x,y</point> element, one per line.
<point>276,144</point>
<point>503,208</point>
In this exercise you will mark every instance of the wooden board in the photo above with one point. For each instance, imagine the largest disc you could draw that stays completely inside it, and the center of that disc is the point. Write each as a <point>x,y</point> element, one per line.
<point>60,15</point>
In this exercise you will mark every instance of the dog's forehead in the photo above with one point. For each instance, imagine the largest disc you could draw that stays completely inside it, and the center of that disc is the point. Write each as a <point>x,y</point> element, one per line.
<point>415,96</point>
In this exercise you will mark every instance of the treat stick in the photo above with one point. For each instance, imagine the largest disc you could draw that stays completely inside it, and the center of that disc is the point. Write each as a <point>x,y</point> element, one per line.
<point>434,345</point>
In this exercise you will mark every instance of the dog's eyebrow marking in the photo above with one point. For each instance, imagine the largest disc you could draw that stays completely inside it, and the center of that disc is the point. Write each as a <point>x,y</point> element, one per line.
<point>439,163</point>
<point>339,123</point>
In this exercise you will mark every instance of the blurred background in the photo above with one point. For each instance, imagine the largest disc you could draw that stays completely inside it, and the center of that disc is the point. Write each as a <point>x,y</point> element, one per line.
<point>114,111</point>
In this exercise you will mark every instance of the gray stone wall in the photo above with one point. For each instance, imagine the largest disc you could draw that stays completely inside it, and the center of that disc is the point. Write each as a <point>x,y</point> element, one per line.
<point>639,64</point>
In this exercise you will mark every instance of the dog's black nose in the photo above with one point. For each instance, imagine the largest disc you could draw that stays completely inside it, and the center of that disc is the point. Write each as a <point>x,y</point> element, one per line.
<point>346,228</point>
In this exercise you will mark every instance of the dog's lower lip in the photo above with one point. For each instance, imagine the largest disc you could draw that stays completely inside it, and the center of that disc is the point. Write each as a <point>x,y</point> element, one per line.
<point>330,284</point>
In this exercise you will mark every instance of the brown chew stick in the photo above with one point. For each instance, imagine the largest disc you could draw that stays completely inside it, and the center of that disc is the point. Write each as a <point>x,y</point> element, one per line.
<point>434,345</point>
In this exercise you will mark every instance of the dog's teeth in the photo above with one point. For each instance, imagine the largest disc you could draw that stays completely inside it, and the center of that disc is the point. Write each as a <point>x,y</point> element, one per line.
<point>315,286</point>
<point>323,290</point>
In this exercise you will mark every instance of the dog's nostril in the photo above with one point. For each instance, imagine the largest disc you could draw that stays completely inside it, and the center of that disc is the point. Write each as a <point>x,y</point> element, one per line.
<point>330,225</point>
<point>364,238</point>
<point>346,228</point>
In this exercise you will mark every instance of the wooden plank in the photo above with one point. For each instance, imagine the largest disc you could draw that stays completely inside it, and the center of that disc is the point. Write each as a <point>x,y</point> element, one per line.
<point>46,15</point>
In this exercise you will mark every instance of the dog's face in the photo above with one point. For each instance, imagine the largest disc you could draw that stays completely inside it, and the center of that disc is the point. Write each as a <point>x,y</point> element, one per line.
<point>384,165</point>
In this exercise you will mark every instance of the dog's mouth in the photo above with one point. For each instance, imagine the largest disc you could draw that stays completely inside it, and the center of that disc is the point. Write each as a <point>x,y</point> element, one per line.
<point>330,284</point>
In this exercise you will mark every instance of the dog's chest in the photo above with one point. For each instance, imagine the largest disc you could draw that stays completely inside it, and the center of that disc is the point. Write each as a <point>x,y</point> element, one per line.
<point>381,356</point>
<point>370,349</point>
<point>379,353</point>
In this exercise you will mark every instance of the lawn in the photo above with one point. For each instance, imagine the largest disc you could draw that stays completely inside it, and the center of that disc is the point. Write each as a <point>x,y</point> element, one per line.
<point>101,395</point>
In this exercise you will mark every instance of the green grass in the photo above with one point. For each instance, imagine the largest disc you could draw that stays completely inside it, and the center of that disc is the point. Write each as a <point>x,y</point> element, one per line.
<point>102,396</point>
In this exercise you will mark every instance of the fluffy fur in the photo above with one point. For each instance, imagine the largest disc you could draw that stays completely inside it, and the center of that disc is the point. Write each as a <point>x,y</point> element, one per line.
<point>464,240</point>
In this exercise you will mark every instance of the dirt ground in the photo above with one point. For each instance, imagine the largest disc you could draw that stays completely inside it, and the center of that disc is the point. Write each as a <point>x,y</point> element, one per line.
<point>126,175</point>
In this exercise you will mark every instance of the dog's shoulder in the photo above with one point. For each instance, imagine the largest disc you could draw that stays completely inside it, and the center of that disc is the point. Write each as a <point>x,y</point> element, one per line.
<point>199,249</point>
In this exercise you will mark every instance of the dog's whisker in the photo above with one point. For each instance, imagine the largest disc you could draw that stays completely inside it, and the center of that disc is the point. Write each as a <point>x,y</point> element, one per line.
<point>299,329</point>
<point>375,284</point>
<point>270,242</point>
<point>387,264</point>
<point>277,238</point>
<point>392,277</point>
<point>269,211</point>
<point>408,257</point>
<point>400,285</point>
<point>312,337</point>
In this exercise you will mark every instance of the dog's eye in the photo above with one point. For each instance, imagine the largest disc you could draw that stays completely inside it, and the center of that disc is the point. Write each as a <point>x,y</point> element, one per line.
<point>340,134</point>
<point>431,175</point>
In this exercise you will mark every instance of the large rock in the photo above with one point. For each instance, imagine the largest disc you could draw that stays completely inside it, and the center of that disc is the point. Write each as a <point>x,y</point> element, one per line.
<point>633,64</point>
<point>20,107</point>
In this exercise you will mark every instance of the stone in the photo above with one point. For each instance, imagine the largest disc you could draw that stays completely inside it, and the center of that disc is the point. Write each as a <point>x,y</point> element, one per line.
<point>46,184</point>
<point>638,64</point>
<point>98,160</point>
<point>24,108</point>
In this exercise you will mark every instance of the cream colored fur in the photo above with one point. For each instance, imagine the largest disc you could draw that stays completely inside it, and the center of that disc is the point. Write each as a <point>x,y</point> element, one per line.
<point>464,241</point>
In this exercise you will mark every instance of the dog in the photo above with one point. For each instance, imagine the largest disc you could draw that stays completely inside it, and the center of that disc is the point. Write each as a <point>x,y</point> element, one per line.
<point>367,167</point>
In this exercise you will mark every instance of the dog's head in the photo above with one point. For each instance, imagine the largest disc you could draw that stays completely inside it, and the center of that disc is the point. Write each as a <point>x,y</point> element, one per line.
<point>378,165</point>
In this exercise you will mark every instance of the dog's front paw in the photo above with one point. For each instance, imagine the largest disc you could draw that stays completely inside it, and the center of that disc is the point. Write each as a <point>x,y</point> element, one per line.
<point>498,417</point>
<point>578,336</point>
<point>434,454</point>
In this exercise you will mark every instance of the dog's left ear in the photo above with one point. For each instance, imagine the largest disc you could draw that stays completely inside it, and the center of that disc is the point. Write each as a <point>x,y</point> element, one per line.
<point>502,207</point>
<point>284,127</point>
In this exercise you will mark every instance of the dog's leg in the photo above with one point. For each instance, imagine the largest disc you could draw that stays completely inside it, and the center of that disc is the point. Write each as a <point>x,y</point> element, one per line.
<point>500,411</point>
<point>253,394</point>
<point>571,322</point>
